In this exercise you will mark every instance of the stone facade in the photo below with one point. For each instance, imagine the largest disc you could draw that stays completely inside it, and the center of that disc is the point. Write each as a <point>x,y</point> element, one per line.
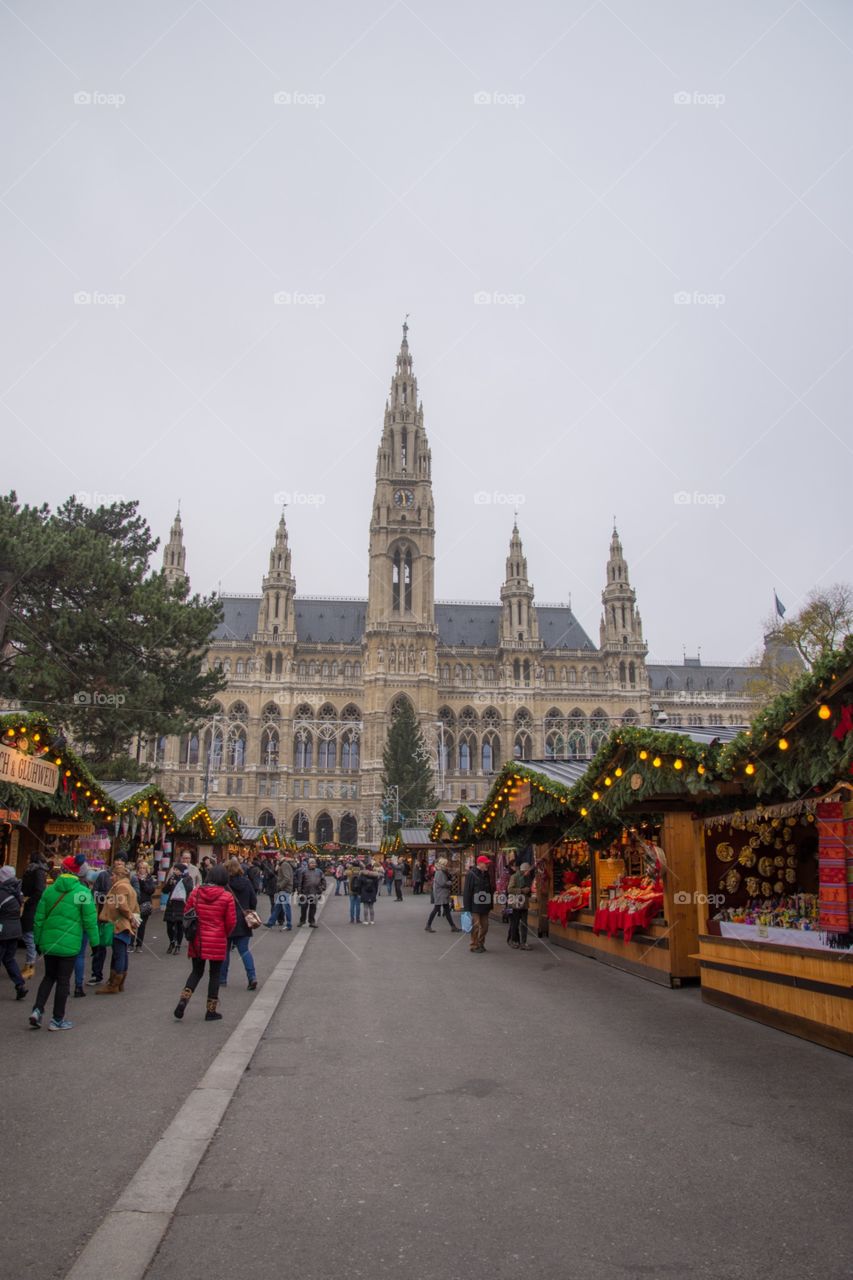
<point>296,740</point>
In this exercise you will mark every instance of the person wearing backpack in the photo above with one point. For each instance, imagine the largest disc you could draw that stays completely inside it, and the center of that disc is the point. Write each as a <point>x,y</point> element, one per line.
<point>178,886</point>
<point>66,911</point>
<point>11,901</point>
<point>211,914</point>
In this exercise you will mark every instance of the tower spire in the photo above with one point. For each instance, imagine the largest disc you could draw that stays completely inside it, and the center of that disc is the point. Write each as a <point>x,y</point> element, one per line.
<point>174,553</point>
<point>621,624</point>
<point>276,616</point>
<point>519,623</point>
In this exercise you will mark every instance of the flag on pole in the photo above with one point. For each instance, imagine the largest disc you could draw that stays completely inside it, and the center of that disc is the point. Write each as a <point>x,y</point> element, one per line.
<point>780,608</point>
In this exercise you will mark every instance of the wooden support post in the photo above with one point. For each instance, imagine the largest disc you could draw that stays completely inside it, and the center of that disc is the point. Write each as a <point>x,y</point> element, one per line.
<point>679,837</point>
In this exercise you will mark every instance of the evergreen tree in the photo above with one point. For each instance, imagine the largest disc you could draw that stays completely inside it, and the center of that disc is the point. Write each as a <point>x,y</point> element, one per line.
<point>93,638</point>
<point>406,765</point>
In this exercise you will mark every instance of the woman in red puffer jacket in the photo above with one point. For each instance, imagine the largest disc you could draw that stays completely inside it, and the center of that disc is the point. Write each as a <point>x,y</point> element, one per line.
<point>217,916</point>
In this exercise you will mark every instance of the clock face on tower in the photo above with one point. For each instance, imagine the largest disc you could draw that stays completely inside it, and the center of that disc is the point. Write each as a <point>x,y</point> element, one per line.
<point>404,498</point>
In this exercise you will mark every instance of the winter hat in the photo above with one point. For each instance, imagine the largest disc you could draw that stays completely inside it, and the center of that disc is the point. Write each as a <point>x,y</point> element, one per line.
<point>70,864</point>
<point>7,873</point>
<point>483,861</point>
<point>80,859</point>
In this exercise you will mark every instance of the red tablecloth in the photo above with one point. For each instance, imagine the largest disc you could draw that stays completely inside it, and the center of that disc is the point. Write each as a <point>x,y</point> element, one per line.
<point>559,909</point>
<point>627,920</point>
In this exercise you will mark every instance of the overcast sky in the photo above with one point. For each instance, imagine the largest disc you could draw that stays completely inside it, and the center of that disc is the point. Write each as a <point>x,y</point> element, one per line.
<point>622,231</point>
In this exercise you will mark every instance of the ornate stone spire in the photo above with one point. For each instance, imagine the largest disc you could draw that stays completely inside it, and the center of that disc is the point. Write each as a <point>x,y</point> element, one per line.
<point>174,554</point>
<point>519,623</point>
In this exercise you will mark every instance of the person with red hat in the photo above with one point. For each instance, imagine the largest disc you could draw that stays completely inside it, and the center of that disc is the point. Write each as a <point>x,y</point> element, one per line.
<point>477,898</point>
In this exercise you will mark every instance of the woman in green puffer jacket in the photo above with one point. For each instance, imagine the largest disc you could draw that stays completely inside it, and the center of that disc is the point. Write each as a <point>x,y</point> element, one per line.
<point>65,911</point>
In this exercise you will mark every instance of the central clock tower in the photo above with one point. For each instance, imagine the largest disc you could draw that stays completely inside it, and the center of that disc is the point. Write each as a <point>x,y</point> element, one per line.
<point>400,633</point>
<point>401,595</point>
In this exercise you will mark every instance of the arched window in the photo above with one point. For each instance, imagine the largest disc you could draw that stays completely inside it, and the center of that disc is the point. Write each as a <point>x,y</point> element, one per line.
<point>269,748</point>
<point>467,752</point>
<point>278,662</point>
<point>526,670</point>
<point>667,684</point>
<point>325,671</point>
<point>303,749</point>
<point>623,673</point>
<point>326,754</point>
<point>349,829</point>
<point>396,573</point>
<point>268,664</point>
<point>573,676</point>
<point>324,828</point>
<point>213,747</point>
<point>516,670</point>
<point>349,751</point>
<point>300,825</point>
<point>236,748</point>
<point>491,752</point>
<point>523,746</point>
<point>266,819</point>
<point>550,675</point>
<point>555,746</point>
<point>688,684</point>
<point>356,670</point>
<point>632,673</point>
<point>407,582</point>
<point>347,670</point>
<point>302,670</point>
<point>239,668</point>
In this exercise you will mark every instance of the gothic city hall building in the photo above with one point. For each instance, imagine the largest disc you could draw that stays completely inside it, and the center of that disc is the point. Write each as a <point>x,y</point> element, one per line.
<point>296,739</point>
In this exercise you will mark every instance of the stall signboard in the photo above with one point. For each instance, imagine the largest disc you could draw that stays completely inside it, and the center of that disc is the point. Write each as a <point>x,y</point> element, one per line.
<point>69,828</point>
<point>10,815</point>
<point>23,770</point>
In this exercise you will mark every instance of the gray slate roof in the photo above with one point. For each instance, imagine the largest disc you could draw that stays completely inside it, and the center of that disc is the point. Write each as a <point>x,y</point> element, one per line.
<point>700,675</point>
<point>566,772</point>
<point>343,622</point>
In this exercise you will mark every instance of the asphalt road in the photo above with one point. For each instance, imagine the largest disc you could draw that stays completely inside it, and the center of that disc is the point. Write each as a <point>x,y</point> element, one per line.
<point>415,1111</point>
<point>82,1108</point>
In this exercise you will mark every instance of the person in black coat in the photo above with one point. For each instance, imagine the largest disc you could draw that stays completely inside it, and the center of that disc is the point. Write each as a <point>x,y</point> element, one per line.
<point>368,891</point>
<point>179,885</point>
<point>145,886</point>
<point>477,899</point>
<point>11,901</point>
<point>246,899</point>
<point>33,885</point>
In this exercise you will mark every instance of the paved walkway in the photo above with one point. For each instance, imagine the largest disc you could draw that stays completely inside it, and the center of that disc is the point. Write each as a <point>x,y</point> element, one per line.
<point>82,1108</point>
<point>414,1111</point>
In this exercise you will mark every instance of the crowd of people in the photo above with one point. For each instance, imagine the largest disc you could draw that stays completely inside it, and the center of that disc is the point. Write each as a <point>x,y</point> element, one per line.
<point>212,908</point>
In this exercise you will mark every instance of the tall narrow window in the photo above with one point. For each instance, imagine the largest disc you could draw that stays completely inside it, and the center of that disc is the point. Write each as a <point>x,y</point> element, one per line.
<point>395,583</point>
<point>404,439</point>
<point>407,583</point>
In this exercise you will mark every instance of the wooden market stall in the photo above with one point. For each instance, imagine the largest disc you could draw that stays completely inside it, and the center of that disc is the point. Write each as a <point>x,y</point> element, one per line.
<point>48,797</point>
<point>775,865</point>
<point>613,843</point>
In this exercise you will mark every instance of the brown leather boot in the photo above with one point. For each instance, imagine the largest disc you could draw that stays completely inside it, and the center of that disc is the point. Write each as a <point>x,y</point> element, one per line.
<point>121,978</point>
<point>212,1015</point>
<point>186,996</point>
<point>110,988</point>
